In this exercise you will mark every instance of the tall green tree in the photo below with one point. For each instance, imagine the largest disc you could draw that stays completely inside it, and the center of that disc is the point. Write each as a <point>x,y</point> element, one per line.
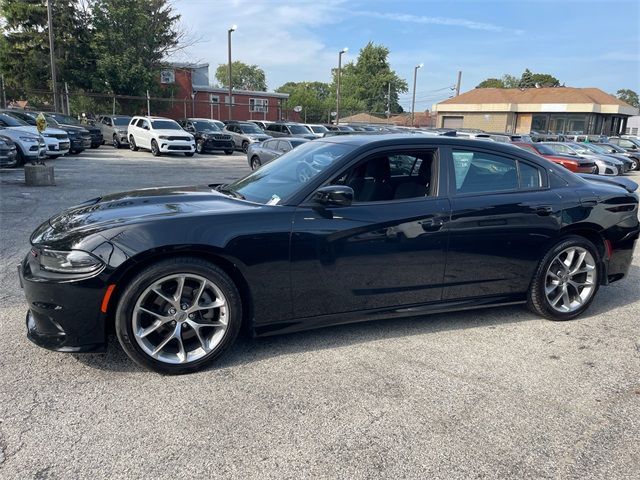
<point>24,44</point>
<point>243,76</point>
<point>313,97</point>
<point>528,79</point>
<point>628,96</point>
<point>365,83</point>
<point>131,40</point>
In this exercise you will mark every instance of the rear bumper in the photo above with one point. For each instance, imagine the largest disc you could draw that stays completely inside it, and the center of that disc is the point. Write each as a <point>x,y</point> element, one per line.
<point>621,256</point>
<point>8,158</point>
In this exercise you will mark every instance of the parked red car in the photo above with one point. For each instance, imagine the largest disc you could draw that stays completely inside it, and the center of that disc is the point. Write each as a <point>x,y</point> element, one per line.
<point>575,164</point>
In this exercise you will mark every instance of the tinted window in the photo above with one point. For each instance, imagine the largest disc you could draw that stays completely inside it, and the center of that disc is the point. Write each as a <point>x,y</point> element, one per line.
<point>270,144</point>
<point>250,128</point>
<point>298,129</point>
<point>121,121</point>
<point>106,121</point>
<point>319,129</point>
<point>140,123</point>
<point>529,176</point>
<point>165,125</point>
<point>403,165</point>
<point>201,125</point>
<point>10,121</point>
<point>478,172</point>
<point>65,119</point>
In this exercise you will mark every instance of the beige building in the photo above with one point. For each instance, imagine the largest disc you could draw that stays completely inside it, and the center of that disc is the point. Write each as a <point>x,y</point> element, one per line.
<point>545,110</point>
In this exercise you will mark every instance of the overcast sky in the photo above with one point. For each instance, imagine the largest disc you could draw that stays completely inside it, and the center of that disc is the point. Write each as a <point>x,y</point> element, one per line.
<point>583,43</point>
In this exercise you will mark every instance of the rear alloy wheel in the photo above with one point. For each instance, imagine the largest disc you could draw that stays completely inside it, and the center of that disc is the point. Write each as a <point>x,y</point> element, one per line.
<point>255,163</point>
<point>178,315</point>
<point>245,146</point>
<point>634,164</point>
<point>116,142</point>
<point>155,150</point>
<point>132,144</point>
<point>566,280</point>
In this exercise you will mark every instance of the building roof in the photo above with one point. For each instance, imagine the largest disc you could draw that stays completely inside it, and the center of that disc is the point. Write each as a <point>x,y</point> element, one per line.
<point>207,88</point>
<point>188,65</point>
<point>558,99</point>
<point>421,119</point>
<point>363,118</point>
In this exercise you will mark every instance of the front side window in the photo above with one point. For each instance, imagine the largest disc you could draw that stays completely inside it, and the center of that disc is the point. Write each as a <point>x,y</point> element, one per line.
<point>298,129</point>
<point>480,172</point>
<point>284,146</point>
<point>388,177</point>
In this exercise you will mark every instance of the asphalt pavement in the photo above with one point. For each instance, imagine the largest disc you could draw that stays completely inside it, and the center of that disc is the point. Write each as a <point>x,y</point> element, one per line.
<point>492,393</point>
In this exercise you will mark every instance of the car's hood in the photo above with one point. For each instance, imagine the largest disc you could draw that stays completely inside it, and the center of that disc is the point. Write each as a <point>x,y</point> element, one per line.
<point>172,133</point>
<point>12,131</point>
<point>258,136</point>
<point>123,208</point>
<point>34,130</point>
<point>73,129</point>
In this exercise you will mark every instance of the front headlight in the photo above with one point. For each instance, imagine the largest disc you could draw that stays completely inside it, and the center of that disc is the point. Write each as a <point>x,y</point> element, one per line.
<point>73,261</point>
<point>163,137</point>
<point>122,132</point>
<point>29,139</point>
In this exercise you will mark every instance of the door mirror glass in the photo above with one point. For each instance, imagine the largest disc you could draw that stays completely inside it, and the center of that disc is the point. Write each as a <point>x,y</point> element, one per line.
<point>333,195</point>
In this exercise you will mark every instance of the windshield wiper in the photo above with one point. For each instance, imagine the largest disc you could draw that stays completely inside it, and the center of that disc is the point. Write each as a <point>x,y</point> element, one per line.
<point>224,188</point>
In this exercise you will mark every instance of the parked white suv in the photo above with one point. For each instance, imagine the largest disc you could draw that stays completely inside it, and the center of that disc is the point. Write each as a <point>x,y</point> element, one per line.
<point>160,135</point>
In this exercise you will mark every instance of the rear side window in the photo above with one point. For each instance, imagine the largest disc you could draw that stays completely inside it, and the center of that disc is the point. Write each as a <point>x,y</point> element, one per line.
<point>284,146</point>
<point>480,172</point>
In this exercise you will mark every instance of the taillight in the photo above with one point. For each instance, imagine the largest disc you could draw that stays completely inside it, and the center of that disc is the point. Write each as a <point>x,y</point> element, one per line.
<point>609,248</point>
<point>570,165</point>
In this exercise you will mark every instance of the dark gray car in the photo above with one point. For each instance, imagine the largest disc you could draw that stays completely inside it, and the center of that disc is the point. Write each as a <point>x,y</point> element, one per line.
<point>260,153</point>
<point>290,130</point>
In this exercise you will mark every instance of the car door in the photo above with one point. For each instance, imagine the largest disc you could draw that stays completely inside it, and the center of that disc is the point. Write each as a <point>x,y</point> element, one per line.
<point>378,253</point>
<point>144,133</point>
<point>235,134</point>
<point>269,150</point>
<point>503,216</point>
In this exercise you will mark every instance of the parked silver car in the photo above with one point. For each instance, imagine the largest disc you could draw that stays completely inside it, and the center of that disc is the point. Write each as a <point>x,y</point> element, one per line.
<point>260,153</point>
<point>245,133</point>
<point>114,129</point>
<point>289,129</point>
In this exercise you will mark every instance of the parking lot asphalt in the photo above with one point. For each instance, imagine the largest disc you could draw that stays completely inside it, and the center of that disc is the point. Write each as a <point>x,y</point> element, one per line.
<point>485,394</point>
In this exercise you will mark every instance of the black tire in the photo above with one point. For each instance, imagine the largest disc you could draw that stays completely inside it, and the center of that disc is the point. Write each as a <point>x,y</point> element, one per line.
<point>188,154</point>
<point>116,142</point>
<point>537,301</point>
<point>19,157</point>
<point>255,162</point>
<point>155,150</point>
<point>132,144</point>
<point>200,147</point>
<point>158,270</point>
<point>245,146</point>
<point>228,152</point>
<point>95,146</point>
<point>75,152</point>
<point>53,157</point>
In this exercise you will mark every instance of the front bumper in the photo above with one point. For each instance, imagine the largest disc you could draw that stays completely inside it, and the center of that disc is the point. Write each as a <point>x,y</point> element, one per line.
<point>56,147</point>
<point>63,316</point>
<point>213,144</point>
<point>79,144</point>
<point>8,157</point>
<point>96,139</point>
<point>176,146</point>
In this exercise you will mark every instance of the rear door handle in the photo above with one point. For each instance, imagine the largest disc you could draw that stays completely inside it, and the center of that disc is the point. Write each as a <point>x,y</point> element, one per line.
<point>543,210</point>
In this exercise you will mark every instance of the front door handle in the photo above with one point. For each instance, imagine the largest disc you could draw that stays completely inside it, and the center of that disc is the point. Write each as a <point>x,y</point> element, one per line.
<point>432,224</point>
<point>543,210</point>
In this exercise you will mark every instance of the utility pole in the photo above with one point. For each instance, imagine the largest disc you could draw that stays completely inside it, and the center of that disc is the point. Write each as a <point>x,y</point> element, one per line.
<point>148,104</point>
<point>413,100</point>
<point>388,101</point>
<point>4,92</point>
<point>458,82</point>
<point>229,32</point>
<point>66,92</point>
<point>54,83</point>
<point>340,53</point>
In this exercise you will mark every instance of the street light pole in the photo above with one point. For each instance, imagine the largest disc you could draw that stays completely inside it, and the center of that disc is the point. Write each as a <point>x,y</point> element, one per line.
<point>413,100</point>
<point>54,83</point>
<point>340,53</point>
<point>232,29</point>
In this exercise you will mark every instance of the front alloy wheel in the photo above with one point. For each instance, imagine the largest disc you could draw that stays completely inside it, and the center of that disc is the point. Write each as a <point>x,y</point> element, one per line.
<point>178,315</point>
<point>245,146</point>
<point>200,147</point>
<point>116,143</point>
<point>155,150</point>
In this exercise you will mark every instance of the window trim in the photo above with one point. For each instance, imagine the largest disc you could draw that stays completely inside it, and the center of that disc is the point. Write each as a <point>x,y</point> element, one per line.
<point>453,193</point>
<point>263,105</point>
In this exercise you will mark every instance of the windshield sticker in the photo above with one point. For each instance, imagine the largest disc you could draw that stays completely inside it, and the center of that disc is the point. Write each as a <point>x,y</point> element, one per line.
<point>275,199</point>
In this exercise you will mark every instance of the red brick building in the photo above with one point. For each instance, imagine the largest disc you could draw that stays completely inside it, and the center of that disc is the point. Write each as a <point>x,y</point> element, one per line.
<point>194,97</point>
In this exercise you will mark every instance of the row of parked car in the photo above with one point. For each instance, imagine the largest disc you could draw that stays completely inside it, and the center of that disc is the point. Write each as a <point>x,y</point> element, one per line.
<point>20,141</point>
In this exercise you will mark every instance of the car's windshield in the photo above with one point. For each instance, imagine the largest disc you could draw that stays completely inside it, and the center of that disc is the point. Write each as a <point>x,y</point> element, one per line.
<point>205,125</point>
<point>299,129</point>
<point>165,125</point>
<point>250,128</point>
<point>319,129</point>
<point>594,148</point>
<point>610,146</point>
<point>65,119</point>
<point>51,121</point>
<point>121,121</point>
<point>275,182</point>
<point>11,121</point>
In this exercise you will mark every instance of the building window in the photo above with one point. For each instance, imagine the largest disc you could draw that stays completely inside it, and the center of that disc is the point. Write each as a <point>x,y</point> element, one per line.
<point>215,98</point>
<point>634,131</point>
<point>258,105</point>
<point>226,100</point>
<point>167,76</point>
<point>539,123</point>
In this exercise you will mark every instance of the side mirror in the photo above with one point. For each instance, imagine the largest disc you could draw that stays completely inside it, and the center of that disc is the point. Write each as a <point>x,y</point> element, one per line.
<point>333,195</point>
<point>146,127</point>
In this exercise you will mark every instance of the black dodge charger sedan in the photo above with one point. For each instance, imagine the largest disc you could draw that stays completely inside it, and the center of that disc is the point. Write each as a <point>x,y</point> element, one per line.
<point>337,230</point>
